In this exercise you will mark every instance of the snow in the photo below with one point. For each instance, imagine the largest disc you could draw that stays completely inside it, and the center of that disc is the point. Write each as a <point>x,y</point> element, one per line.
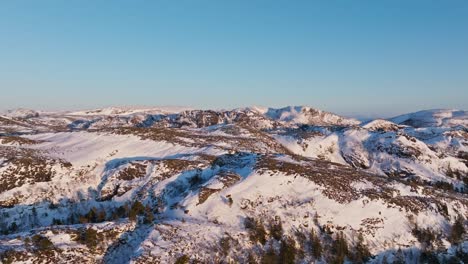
<point>438,117</point>
<point>322,147</point>
<point>186,224</point>
<point>21,113</point>
<point>81,147</point>
<point>125,111</point>
<point>306,115</point>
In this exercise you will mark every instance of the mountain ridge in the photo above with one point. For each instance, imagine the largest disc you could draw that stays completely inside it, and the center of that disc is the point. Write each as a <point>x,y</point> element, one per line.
<point>239,185</point>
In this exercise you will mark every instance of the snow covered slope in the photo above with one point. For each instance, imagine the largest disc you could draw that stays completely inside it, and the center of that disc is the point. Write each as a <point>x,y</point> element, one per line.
<point>433,118</point>
<point>250,185</point>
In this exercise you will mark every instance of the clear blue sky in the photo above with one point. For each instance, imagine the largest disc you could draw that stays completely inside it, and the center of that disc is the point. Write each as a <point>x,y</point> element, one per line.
<point>350,57</point>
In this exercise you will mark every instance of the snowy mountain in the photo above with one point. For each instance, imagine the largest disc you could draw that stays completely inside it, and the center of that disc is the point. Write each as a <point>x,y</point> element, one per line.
<point>308,116</point>
<point>125,111</point>
<point>21,113</point>
<point>433,118</point>
<point>248,185</point>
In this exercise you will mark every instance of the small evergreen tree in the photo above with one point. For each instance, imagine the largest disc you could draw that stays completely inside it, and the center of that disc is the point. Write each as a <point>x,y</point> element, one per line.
<point>399,257</point>
<point>88,237</point>
<point>458,230</point>
<point>149,216</point>
<point>72,218</point>
<point>257,232</point>
<point>13,227</point>
<point>101,215</point>
<point>122,211</point>
<point>361,251</point>
<point>269,257</point>
<point>3,226</point>
<point>316,221</point>
<point>56,221</point>
<point>276,229</point>
<point>34,220</point>
<point>462,255</point>
<point>339,249</point>
<point>42,242</point>
<point>428,257</point>
<point>91,216</point>
<point>136,209</point>
<point>287,254</point>
<point>224,244</point>
<point>424,235</point>
<point>83,219</point>
<point>184,259</point>
<point>316,245</point>
<point>27,242</point>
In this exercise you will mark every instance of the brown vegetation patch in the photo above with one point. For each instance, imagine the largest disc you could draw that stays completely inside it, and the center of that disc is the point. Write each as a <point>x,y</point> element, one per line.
<point>407,152</point>
<point>228,178</point>
<point>176,166</point>
<point>18,140</point>
<point>8,122</point>
<point>11,202</point>
<point>338,182</point>
<point>371,225</point>
<point>170,135</point>
<point>179,165</point>
<point>133,171</point>
<point>205,193</point>
<point>24,166</point>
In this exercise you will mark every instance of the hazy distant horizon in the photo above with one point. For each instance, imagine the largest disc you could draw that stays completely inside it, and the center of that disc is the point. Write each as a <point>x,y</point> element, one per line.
<point>360,116</point>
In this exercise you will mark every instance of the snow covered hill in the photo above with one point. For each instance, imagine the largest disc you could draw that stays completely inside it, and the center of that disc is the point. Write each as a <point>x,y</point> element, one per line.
<point>434,118</point>
<point>249,185</point>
